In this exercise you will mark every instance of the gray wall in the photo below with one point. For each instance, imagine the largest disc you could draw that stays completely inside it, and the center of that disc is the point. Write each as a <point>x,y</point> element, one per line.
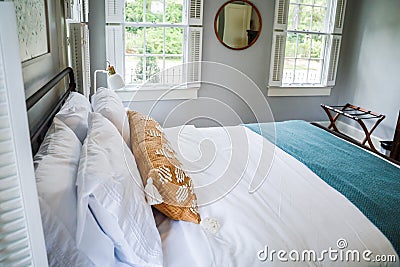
<point>370,61</point>
<point>253,62</point>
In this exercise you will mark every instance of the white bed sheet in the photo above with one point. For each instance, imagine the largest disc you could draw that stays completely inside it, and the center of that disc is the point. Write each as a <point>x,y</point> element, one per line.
<point>293,209</point>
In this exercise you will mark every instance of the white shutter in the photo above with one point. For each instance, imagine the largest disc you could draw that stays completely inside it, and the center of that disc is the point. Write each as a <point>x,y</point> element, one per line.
<point>79,56</point>
<point>281,14</point>
<point>84,10</point>
<point>76,10</point>
<point>339,16</point>
<point>114,11</point>
<point>333,59</point>
<point>194,57</point>
<point>68,9</point>
<point>86,59</point>
<point>115,47</point>
<point>277,58</point>
<point>75,53</point>
<point>21,232</point>
<point>195,12</point>
<point>72,9</point>
<point>278,42</point>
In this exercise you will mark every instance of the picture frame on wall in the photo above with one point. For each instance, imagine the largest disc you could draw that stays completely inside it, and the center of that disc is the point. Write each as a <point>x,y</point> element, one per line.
<point>33,32</point>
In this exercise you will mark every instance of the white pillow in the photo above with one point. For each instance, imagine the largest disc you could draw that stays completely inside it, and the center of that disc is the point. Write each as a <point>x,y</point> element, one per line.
<point>107,103</point>
<point>60,245</point>
<point>78,100</point>
<point>56,167</point>
<point>109,182</point>
<point>74,113</point>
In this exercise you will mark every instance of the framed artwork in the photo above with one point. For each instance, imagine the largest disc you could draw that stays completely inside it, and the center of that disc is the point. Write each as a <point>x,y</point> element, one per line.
<point>32,25</point>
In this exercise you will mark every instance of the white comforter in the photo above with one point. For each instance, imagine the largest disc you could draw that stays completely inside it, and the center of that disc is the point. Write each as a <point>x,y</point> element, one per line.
<point>292,210</point>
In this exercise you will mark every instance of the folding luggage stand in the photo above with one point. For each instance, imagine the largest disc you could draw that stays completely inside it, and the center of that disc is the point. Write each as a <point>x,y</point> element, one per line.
<point>355,113</point>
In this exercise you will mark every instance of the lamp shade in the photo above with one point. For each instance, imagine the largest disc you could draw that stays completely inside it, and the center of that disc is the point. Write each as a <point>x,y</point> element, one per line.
<point>115,82</point>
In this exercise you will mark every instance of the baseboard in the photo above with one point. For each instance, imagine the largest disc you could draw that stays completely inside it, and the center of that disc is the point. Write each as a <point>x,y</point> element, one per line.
<point>353,132</point>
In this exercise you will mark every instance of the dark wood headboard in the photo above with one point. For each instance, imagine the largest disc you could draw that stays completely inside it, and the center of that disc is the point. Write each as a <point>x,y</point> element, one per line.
<point>38,133</point>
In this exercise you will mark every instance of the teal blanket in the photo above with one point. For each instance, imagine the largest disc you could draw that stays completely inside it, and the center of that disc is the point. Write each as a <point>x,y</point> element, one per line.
<point>370,183</point>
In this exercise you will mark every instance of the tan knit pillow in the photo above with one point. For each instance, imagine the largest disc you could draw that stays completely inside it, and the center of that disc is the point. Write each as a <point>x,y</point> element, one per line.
<point>167,186</point>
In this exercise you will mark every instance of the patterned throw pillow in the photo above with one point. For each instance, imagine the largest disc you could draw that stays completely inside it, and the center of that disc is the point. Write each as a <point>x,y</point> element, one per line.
<point>167,186</point>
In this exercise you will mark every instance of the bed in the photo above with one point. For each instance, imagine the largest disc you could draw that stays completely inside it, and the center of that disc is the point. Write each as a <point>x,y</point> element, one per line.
<point>263,195</point>
<point>269,197</point>
<point>293,210</point>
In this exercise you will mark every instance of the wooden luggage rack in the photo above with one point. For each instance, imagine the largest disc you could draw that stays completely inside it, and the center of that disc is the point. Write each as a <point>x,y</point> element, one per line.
<point>355,113</point>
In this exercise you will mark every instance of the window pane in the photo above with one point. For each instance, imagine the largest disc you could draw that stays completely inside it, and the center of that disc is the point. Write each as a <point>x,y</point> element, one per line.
<point>173,41</point>
<point>305,18</point>
<point>154,10</point>
<point>134,69</point>
<point>318,20</point>
<point>304,45</point>
<point>308,2</point>
<point>300,74</point>
<point>320,3</point>
<point>290,49</point>
<point>134,10</point>
<point>134,40</point>
<point>288,71</point>
<point>153,68</point>
<point>173,70</point>
<point>293,18</point>
<point>314,72</point>
<point>173,11</point>
<point>154,40</point>
<point>139,69</point>
<point>317,47</point>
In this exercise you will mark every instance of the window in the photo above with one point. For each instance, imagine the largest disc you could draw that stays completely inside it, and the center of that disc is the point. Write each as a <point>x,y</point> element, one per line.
<point>306,45</point>
<point>149,41</point>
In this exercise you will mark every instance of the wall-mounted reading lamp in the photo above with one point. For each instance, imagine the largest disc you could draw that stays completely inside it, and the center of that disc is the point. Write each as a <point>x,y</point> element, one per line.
<point>114,80</point>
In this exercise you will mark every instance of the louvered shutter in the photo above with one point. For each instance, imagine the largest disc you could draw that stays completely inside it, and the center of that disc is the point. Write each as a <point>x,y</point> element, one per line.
<point>195,40</point>
<point>278,42</point>
<point>194,43</point>
<point>195,12</point>
<point>73,10</point>
<point>339,16</point>
<point>115,47</point>
<point>21,232</point>
<point>333,59</point>
<point>68,9</point>
<point>281,14</point>
<point>86,59</point>
<point>79,56</point>
<point>75,59</point>
<point>114,11</point>
<point>84,10</point>
<point>277,58</point>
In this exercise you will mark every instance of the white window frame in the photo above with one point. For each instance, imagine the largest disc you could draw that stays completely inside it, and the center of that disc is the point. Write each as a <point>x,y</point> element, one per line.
<point>192,52</point>
<point>334,20</point>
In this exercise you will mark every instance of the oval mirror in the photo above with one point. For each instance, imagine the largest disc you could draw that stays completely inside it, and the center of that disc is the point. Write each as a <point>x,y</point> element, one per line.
<point>238,24</point>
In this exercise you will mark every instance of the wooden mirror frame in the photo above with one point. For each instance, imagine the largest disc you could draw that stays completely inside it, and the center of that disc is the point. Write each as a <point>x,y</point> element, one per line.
<point>216,19</point>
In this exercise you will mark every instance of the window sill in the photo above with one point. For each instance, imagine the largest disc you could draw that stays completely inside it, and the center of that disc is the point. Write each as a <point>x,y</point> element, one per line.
<point>134,94</point>
<point>299,91</point>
